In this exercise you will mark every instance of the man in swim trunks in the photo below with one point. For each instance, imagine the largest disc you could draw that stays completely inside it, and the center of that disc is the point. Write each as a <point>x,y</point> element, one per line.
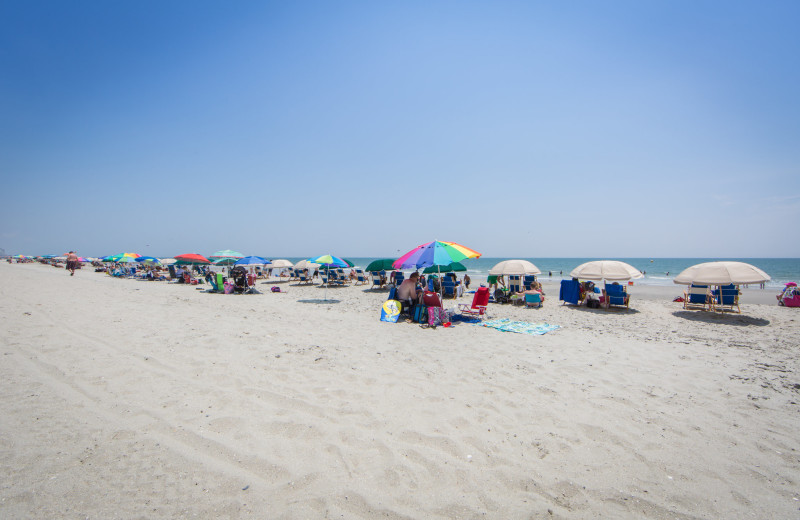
<point>407,292</point>
<point>72,262</point>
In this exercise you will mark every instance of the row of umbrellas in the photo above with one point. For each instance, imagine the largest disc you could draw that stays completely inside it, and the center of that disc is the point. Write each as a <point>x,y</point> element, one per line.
<point>440,256</point>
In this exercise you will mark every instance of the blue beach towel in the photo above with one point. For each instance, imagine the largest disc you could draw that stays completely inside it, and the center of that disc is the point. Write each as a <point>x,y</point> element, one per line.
<point>520,327</point>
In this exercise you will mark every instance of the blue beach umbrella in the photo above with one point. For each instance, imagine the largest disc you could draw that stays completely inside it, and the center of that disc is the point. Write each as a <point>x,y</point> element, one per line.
<point>251,260</point>
<point>148,260</point>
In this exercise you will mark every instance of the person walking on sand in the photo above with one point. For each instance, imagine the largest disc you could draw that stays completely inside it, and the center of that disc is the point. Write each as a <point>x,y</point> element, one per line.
<point>72,262</point>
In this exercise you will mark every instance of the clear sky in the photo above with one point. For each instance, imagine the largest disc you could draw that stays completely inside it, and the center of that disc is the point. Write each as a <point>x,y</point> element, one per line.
<point>519,129</point>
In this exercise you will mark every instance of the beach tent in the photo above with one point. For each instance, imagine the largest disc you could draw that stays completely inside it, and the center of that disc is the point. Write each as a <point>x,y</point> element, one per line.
<point>513,268</point>
<point>722,273</point>
<point>609,270</point>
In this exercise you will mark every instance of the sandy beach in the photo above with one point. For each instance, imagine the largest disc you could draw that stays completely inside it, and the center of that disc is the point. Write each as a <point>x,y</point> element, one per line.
<point>131,399</point>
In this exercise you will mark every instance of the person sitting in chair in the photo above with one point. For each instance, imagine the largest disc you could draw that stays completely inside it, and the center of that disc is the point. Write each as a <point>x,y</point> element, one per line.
<point>536,288</point>
<point>407,292</point>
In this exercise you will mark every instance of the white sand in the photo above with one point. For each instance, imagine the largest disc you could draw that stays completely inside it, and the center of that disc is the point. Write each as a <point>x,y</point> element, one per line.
<point>129,399</point>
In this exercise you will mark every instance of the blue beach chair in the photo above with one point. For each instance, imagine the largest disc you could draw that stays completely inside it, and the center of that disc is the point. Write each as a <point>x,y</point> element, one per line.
<point>533,300</point>
<point>615,295</point>
<point>727,297</point>
<point>570,292</point>
<point>448,287</point>
<point>698,296</point>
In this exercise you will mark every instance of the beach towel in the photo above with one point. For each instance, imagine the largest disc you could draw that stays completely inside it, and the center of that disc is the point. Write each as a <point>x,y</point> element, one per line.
<point>520,327</point>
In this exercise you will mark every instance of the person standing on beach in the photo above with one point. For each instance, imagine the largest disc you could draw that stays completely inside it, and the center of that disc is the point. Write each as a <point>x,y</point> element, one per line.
<point>72,262</point>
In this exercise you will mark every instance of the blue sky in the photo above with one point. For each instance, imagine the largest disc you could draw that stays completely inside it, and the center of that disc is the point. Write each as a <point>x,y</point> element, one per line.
<point>530,129</point>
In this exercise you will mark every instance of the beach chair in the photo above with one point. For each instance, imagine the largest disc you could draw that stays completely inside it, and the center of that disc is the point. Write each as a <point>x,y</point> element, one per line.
<point>360,278</point>
<point>448,287</point>
<point>570,292</point>
<point>527,281</point>
<point>615,295</point>
<point>698,296</point>
<point>398,278</point>
<point>323,275</point>
<point>727,298</point>
<point>479,303</point>
<point>514,284</point>
<point>376,280</point>
<point>303,277</point>
<point>212,281</point>
<point>533,300</point>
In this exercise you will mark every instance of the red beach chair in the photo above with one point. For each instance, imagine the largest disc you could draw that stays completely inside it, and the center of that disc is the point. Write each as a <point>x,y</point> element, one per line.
<point>479,303</point>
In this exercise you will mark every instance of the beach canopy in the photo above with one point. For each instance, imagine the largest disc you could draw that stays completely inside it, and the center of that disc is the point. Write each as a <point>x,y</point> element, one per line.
<point>611,270</point>
<point>382,264</point>
<point>251,260</point>
<point>514,267</point>
<point>192,258</point>
<point>454,267</point>
<point>280,263</point>
<point>434,253</point>
<point>226,253</point>
<point>722,273</point>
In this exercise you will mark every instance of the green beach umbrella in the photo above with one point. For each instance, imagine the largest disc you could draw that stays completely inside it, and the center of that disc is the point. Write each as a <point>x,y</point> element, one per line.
<point>225,261</point>
<point>382,264</point>
<point>454,267</point>
<point>226,253</point>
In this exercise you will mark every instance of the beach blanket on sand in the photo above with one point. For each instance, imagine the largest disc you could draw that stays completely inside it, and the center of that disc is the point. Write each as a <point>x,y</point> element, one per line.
<point>520,327</point>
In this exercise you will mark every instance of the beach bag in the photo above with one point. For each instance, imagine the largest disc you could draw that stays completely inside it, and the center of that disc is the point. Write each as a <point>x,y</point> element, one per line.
<point>420,314</point>
<point>228,288</point>
<point>275,289</point>
<point>390,311</point>
<point>436,316</point>
<point>593,304</point>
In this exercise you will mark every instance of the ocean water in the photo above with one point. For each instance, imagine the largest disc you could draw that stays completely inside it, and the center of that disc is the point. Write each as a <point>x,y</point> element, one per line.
<point>658,271</point>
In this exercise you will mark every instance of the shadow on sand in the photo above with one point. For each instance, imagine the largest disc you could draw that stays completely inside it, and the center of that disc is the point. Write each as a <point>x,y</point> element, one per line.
<point>611,310</point>
<point>319,300</point>
<point>721,318</point>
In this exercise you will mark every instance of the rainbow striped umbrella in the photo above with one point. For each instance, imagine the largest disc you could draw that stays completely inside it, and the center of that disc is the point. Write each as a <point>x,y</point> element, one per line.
<point>434,253</point>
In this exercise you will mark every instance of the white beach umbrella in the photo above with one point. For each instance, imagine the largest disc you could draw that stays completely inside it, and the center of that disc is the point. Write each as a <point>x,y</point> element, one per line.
<point>514,267</point>
<point>611,270</point>
<point>722,273</point>
<point>280,264</point>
